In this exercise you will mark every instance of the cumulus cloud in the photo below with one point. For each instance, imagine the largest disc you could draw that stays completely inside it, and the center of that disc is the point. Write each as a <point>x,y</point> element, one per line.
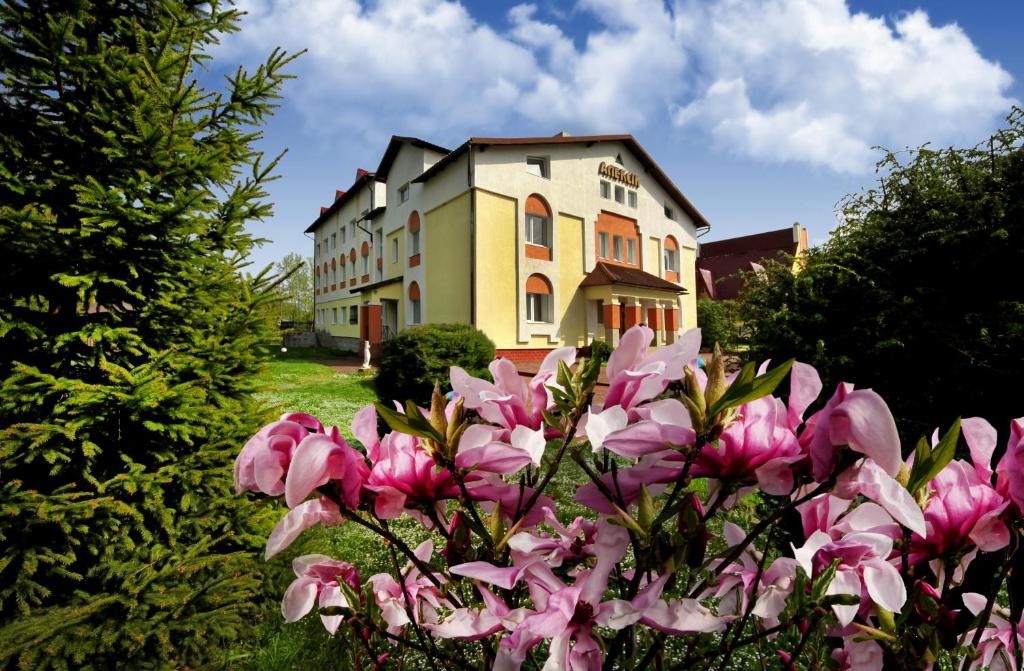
<point>807,80</point>
<point>777,80</point>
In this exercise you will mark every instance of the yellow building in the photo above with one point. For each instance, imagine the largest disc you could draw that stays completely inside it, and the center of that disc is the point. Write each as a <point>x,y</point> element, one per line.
<point>539,242</point>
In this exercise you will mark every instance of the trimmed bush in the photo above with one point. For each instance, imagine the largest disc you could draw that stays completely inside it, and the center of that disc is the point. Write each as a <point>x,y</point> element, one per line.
<point>600,350</point>
<point>418,357</point>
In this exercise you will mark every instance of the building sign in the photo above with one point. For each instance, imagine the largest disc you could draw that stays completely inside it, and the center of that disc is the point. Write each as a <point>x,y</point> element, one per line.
<point>612,171</point>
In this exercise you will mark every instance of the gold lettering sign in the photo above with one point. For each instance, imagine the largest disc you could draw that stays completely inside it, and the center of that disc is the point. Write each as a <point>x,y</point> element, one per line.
<point>618,174</point>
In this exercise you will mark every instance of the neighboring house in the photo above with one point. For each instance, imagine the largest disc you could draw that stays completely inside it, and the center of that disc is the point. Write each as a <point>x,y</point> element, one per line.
<point>720,264</point>
<point>539,242</point>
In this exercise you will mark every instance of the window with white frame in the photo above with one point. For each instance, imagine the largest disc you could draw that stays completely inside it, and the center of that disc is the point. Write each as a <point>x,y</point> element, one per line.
<point>603,242</point>
<point>366,265</point>
<point>539,166</point>
<point>630,250</point>
<point>342,235</point>
<point>414,242</point>
<point>620,194</point>
<point>334,241</point>
<point>334,275</point>
<point>334,315</point>
<point>606,189</point>
<point>352,230</point>
<point>538,230</point>
<point>353,314</point>
<point>631,199</point>
<point>671,260</point>
<point>617,247</point>
<point>538,299</point>
<point>403,193</point>
<point>394,250</point>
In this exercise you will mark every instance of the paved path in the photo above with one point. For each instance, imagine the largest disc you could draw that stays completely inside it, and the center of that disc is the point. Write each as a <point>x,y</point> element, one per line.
<point>345,364</point>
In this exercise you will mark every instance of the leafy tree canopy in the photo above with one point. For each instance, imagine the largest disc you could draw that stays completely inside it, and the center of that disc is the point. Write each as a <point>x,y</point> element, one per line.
<point>918,292</point>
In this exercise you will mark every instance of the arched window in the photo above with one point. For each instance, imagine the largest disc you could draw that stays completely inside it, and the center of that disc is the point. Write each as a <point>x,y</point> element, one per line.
<point>671,259</point>
<point>538,222</point>
<point>414,239</point>
<point>414,303</point>
<point>539,299</point>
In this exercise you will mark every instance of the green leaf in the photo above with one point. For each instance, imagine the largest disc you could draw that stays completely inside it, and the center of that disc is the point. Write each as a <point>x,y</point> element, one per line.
<point>824,579</point>
<point>746,388</point>
<point>929,461</point>
<point>407,423</point>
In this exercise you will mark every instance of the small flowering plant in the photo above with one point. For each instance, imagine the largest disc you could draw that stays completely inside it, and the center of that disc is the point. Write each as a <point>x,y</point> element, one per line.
<point>856,558</point>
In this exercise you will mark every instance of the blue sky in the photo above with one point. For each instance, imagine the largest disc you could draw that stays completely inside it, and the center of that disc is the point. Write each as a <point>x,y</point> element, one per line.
<point>763,112</point>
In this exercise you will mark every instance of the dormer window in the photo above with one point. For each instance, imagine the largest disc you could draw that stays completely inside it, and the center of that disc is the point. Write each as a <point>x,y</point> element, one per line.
<point>538,165</point>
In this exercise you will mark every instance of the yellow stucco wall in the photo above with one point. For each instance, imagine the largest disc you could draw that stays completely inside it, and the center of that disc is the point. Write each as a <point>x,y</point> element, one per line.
<point>447,258</point>
<point>496,268</point>
<point>652,263</point>
<point>571,304</point>
<point>688,280</point>
<point>342,328</point>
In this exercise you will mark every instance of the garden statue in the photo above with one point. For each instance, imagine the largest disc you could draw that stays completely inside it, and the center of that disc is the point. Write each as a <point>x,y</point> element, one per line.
<point>366,355</point>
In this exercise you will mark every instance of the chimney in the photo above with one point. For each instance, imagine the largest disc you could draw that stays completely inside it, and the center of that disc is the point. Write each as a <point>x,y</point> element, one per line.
<point>562,133</point>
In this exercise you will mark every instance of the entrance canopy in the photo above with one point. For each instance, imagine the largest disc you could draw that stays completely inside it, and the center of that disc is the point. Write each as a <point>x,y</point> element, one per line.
<point>623,297</point>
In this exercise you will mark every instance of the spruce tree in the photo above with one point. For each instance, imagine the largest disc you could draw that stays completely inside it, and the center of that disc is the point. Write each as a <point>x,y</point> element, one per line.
<point>129,336</point>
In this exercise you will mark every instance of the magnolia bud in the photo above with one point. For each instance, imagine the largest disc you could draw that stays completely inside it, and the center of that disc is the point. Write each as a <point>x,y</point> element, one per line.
<point>716,378</point>
<point>437,405</point>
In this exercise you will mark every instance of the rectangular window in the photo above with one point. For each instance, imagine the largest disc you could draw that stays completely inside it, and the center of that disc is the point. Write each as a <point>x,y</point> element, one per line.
<point>632,199</point>
<point>394,251</point>
<point>415,242</point>
<point>537,230</point>
<point>620,194</point>
<point>379,235</point>
<point>538,165</point>
<point>366,265</point>
<point>353,314</point>
<point>334,315</point>
<point>631,250</point>
<point>671,261</point>
<point>600,312</point>
<point>334,275</point>
<point>403,193</point>
<point>352,230</point>
<point>617,247</point>
<point>538,307</point>
<point>334,241</point>
<point>606,189</point>
<point>670,213</point>
<point>342,235</point>
<point>603,237</point>
<point>415,311</point>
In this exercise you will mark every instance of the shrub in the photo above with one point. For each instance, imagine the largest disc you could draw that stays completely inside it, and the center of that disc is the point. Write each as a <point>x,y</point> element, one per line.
<point>719,323</point>
<point>600,351</point>
<point>128,335</point>
<point>417,358</point>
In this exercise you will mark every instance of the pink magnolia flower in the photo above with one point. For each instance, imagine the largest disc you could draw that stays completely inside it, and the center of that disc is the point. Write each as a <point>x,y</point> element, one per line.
<point>263,462</point>
<point>833,516</point>
<point>736,583</point>
<point>510,401</point>
<point>858,418</point>
<point>859,655</point>
<point>489,490</point>
<point>417,593</point>
<point>652,471</point>
<point>318,579</point>
<point>758,446</point>
<point>573,543</point>
<point>567,614</point>
<point>1010,471</point>
<point>963,511</point>
<point>634,376</point>
<point>323,458</point>
<point>655,427</point>
<point>406,478</point>
<point>303,516</point>
<point>996,648</point>
<point>863,570</point>
<point>496,450</point>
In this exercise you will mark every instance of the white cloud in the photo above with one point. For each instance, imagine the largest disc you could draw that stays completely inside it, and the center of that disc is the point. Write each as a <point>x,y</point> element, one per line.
<point>778,80</point>
<point>806,80</point>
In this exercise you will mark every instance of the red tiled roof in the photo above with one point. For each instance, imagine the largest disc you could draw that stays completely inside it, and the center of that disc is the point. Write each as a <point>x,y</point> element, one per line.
<point>605,274</point>
<point>722,262</point>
